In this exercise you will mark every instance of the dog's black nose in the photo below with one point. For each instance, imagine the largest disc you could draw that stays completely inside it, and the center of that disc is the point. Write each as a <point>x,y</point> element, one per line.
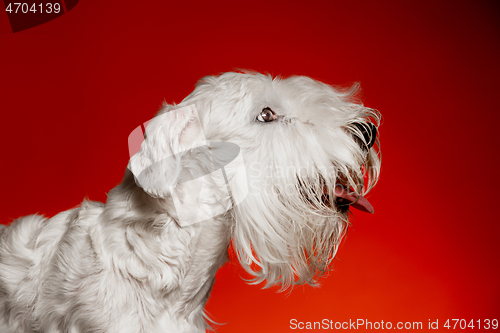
<point>369,132</point>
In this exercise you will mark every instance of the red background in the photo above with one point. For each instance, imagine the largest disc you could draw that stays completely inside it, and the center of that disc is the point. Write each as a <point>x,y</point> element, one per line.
<point>74,88</point>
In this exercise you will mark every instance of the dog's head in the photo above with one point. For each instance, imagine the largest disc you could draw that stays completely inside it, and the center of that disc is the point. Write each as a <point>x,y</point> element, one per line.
<point>310,153</point>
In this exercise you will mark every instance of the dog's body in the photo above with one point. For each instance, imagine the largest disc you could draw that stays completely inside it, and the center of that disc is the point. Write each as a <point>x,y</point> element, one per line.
<point>134,265</point>
<point>93,270</point>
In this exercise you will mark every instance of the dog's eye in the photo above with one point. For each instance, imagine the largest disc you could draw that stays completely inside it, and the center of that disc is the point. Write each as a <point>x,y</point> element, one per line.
<point>266,115</point>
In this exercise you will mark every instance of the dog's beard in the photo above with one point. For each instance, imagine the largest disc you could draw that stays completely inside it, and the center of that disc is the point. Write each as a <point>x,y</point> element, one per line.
<point>290,225</point>
<point>289,235</point>
<point>288,251</point>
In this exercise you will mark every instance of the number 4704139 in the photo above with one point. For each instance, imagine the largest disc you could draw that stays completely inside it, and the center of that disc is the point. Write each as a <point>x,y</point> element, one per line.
<point>478,324</point>
<point>22,7</point>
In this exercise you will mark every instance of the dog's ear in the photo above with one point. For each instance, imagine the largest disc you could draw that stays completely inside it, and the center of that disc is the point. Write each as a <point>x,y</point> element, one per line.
<point>157,165</point>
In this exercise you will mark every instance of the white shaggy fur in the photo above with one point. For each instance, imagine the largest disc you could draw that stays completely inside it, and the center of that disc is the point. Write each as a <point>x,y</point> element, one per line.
<point>130,266</point>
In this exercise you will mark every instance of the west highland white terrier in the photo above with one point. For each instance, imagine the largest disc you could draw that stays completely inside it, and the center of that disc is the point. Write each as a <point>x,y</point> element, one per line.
<point>271,165</point>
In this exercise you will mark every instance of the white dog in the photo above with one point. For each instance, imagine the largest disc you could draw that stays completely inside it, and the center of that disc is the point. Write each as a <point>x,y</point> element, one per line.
<point>272,165</point>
